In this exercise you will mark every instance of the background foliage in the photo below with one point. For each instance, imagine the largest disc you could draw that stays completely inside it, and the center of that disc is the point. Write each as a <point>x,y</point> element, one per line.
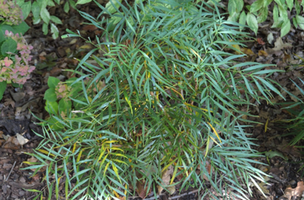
<point>282,12</point>
<point>251,15</point>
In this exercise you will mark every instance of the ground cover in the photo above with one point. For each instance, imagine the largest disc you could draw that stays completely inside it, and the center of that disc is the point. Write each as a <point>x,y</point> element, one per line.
<point>54,56</point>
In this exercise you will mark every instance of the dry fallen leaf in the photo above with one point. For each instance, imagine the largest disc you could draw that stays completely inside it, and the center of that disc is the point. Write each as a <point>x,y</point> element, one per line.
<point>260,41</point>
<point>166,177</point>
<point>22,140</point>
<point>141,189</point>
<point>279,45</point>
<point>298,191</point>
<point>262,53</point>
<point>248,52</point>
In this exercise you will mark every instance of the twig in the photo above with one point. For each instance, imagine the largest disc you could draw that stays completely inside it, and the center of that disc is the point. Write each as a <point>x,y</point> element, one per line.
<point>10,172</point>
<point>153,198</point>
<point>184,194</point>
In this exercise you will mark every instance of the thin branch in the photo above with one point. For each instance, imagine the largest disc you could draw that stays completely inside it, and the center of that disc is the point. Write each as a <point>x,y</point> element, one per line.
<point>10,171</point>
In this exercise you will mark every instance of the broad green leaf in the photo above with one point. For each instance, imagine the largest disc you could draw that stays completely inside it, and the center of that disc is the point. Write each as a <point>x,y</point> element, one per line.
<point>56,20</point>
<point>300,21</point>
<point>257,5</point>
<point>233,17</point>
<point>50,3</point>
<point>263,15</point>
<point>50,95</point>
<point>280,2</point>
<point>242,20</point>
<point>54,31</point>
<point>298,7</point>
<point>275,13</point>
<point>53,82</point>
<point>21,28</point>
<point>36,10</point>
<point>66,7</point>
<point>64,106</point>
<point>290,4</point>
<point>3,28</point>
<point>252,22</point>
<point>232,7</point>
<point>8,46</point>
<point>283,12</point>
<point>26,9</point>
<point>2,88</point>
<point>294,21</point>
<point>45,29</point>
<point>285,28</point>
<point>83,1</point>
<point>113,5</point>
<point>51,107</point>
<point>267,2</point>
<point>45,15</point>
<point>20,2</point>
<point>240,5</point>
<point>278,23</point>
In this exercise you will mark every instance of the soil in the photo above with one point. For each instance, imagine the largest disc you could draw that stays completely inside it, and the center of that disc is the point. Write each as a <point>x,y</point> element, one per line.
<point>19,131</point>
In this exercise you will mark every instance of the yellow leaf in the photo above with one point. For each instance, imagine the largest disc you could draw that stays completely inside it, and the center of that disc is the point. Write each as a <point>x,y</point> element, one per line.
<point>101,154</point>
<point>46,152</point>
<point>79,155</point>
<point>106,168</point>
<point>266,124</point>
<point>215,132</point>
<point>74,147</point>
<point>103,160</point>
<point>115,193</point>
<point>116,171</point>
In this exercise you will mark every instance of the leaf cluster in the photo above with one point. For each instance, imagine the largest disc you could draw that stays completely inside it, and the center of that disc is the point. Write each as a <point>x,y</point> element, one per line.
<point>258,11</point>
<point>160,89</point>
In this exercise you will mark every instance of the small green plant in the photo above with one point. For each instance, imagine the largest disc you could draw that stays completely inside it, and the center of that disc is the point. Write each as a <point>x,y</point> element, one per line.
<point>58,100</point>
<point>258,11</point>
<point>14,51</point>
<point>158,91</point>
<point>41,14</point>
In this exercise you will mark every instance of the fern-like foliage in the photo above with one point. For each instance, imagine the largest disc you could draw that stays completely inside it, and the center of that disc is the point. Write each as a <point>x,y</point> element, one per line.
<point>160,89</point>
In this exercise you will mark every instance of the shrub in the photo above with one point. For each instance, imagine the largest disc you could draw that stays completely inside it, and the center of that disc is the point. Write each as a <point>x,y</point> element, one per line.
<point>158,91</point>
<point>10,13</point>
<point>14,51</point>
